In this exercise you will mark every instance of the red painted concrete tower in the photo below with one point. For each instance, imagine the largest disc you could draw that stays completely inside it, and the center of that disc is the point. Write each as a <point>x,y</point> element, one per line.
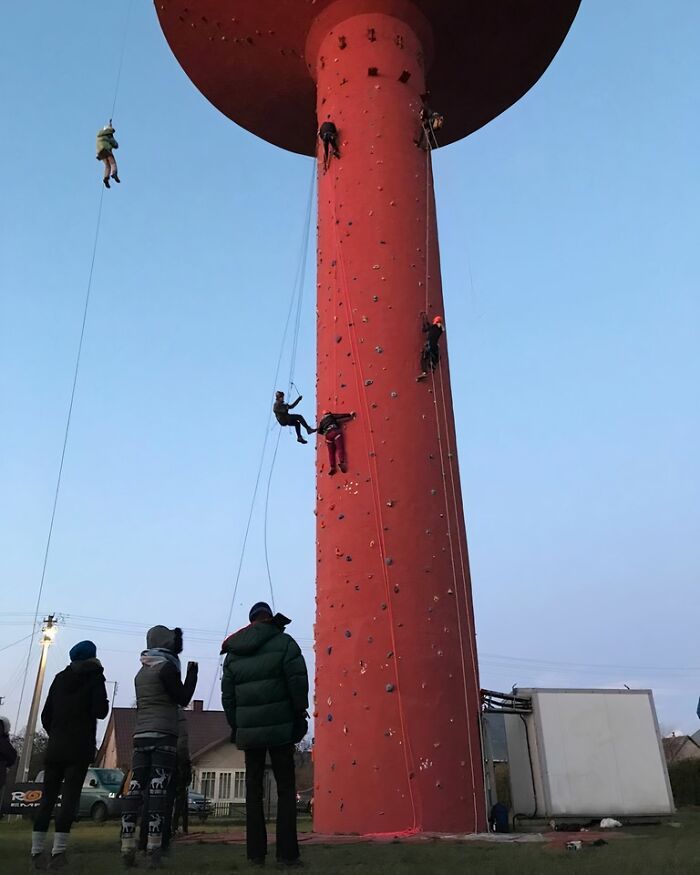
<point>397,692</point>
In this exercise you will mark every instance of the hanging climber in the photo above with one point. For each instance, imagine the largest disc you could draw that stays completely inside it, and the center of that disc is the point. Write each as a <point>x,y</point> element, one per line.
<point>105,144</point>
<point>430,355</point>
<point>430,122</point>
<point>328,134</point>
<point>330,428</point>
<point>284,417</point>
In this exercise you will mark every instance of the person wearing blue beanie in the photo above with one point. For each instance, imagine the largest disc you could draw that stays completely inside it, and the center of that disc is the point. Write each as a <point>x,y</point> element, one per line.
<point>83,650</point>
<point>77,699</point>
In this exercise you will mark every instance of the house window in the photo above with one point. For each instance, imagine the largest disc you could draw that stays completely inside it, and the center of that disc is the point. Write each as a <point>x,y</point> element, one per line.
<point>224,785</point>
<point>239,786</point>
<point>207,784</point>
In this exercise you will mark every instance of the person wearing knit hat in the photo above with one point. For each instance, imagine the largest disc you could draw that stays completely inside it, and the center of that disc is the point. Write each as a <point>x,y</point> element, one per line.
<point>265,694</point>
<point>77,699</point>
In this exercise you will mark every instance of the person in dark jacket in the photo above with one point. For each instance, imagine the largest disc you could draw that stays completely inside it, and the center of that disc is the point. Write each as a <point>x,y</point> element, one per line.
<point>160,692</point>
<point>265,694</point>
<point>330,428</point>
<point>328,135</point>
<point>431,122</point>
<point>8,755</point>
<point>430,355</point>
<point>281,410</point>
<point>77,699</point>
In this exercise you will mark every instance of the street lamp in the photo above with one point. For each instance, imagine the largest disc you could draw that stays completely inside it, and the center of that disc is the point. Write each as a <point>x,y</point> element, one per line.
<point>48,636</point>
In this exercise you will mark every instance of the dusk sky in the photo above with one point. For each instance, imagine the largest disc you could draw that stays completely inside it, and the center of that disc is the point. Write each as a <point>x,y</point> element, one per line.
<point>569,238</point>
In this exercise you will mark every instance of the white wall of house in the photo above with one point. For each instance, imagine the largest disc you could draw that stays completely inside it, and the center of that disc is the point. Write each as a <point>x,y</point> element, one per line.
<point>219,773</point>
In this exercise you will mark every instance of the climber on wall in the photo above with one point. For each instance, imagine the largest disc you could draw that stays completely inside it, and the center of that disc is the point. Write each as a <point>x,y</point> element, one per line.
<point>328,134</point>
<point>284,417</point>
<point>105,144</point>
<point>430,123</point>
<point>430,355</point>
<point>330,428</point>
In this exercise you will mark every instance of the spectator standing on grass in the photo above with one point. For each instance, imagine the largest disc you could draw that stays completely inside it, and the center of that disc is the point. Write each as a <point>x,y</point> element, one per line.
<point>8,754</point>
<point>265,694</point>
<point>77,699</point>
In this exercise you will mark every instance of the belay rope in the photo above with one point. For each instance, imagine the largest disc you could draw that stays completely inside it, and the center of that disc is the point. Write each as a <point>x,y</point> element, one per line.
<point>76,371</point>
<point>293,319</point>
<point>451,532</point>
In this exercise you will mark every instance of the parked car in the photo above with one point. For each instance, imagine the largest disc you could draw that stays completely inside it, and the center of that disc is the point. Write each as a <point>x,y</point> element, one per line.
<point>198,805</point>
<point>305,801</point>
<point>99,798</point>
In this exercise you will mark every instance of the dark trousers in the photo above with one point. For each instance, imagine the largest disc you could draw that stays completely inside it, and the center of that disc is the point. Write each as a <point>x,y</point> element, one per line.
<point>152,772</point>
<point>430,358</point>
<point>72,776</point>
<point>282,759</point>
<point>330,144</point>
<point>297,421</point>
<point>336,448</point>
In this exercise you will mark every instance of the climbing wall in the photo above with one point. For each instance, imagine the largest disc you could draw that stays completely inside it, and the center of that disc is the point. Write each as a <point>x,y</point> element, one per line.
<point>397,691</point>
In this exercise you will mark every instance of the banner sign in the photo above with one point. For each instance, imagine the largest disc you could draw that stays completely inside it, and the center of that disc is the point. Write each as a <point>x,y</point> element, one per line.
<point>23,798</point>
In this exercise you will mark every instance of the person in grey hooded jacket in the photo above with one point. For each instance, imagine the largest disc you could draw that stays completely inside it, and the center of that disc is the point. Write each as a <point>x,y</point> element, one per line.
<point>160,693</point>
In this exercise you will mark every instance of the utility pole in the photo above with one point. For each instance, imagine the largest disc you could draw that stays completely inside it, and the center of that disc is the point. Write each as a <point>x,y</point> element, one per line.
<point>48,634</point>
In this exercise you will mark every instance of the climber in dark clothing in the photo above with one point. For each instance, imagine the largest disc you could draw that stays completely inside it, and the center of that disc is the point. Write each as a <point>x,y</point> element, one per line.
<point>328,134</point>
<point>430,356</point>
<point>330,428</point>
<point>284,417</point>
<point>430,122</point>
<point>77,700</point>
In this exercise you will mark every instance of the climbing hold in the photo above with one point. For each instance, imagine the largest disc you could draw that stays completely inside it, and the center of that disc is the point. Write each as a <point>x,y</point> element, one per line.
<point>383,606</point>
<point>389,560</point>
<point>348,558</point>
<point>394,394</point>
<point>390,503</point>
<point>375,298</point>
<point>379,349</point>
<point>329,650</point>
<point>376,267</point>
<point>390,688</point>
<point>390,653</point>
<point>329,718</point>
<point>369,382</point>
<point>348,633</point>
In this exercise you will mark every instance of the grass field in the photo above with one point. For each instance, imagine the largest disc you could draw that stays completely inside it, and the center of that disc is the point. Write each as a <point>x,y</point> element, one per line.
<point>653,850</point>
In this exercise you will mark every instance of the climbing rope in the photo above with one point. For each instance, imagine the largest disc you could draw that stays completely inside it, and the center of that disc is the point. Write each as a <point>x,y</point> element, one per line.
<point>293,317</point>
<point>409,759</point>
<point>76,371</point>
<point>448,518</point>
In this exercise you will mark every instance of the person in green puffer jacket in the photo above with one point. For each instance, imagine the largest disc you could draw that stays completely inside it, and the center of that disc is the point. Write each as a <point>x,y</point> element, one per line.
<point>265,694</point>
<point>105,144</point>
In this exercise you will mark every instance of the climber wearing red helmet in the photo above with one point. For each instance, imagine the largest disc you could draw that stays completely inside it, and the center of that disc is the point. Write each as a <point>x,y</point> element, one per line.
<point>430,355</point>
<point>330,428</point>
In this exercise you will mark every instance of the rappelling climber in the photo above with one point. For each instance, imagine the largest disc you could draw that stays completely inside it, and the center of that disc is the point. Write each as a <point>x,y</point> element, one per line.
<point>284,417</point>
<point>328,134</point>
<point>105,144</point>
<point>430,355</point>
<point>430,122</point>
<point>330,428</point>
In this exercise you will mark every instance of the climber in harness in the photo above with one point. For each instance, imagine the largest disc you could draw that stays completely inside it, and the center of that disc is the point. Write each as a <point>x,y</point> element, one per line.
<point>330,428</point>
<point>105,144</point>
<point>284,417</point>
<point>430,122</point>
<point>328,134</point>
<point>430,356</point>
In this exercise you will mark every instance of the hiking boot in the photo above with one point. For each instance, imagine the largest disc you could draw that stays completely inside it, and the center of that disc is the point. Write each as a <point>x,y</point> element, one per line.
<point>106,181</point>
<point>153,859</point>
<point>256,862</point>
<point>331,471</point>
<point>58,861</point>
<point>39,861</point>
<point>290,864</point>
<point>311,430</point>
<point>302,440</point>
<point>343,467</point>
<point>115,177</point>
<point>129,858</point>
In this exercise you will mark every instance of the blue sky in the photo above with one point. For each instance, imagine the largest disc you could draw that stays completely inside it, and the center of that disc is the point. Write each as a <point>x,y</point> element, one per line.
<point>569,236</point>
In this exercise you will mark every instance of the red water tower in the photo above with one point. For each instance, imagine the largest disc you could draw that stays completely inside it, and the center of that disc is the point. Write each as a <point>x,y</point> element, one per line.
<point>398,745</point>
